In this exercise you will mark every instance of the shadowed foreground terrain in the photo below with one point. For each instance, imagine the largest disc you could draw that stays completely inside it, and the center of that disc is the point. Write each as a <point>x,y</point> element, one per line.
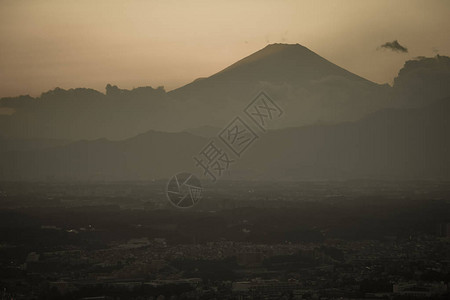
<point>299,239</point>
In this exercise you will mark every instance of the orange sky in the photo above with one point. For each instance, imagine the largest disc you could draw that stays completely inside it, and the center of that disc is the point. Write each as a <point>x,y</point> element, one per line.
<point>89,43</point>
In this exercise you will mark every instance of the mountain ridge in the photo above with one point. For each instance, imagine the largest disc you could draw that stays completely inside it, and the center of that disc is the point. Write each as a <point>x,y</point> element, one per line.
<point>307,86</point>
<point>293,58</point>
<point>392,144</point>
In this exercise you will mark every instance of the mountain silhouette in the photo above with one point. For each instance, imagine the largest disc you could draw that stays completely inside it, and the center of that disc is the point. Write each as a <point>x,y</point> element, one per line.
<point>391,144</point>
<point>309,86</point>
<point>84,113</point>
<point>276,63</point>
<point>148,156</point>
<point>422,80</point>
<point>397,144</point>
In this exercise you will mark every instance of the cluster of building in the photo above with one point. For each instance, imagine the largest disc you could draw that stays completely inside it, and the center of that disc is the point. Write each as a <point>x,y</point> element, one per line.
<point>414,267</point>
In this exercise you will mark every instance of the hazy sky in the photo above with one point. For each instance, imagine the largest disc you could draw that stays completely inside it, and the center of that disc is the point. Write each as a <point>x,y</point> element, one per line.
<point>78,43</point>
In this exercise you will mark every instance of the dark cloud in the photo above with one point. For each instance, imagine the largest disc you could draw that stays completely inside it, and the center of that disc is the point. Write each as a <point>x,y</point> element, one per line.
<point>395,46</point>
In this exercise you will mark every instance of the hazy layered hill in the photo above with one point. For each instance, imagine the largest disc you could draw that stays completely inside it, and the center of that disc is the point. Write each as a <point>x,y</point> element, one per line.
<point>204,131</point>
<point>391,144</point>
<point>309,88</point>
<point>422,80</point>
<point>147,156</point>
<point>84,113</point>
<point>14,144</point>
<point>397,144</point>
